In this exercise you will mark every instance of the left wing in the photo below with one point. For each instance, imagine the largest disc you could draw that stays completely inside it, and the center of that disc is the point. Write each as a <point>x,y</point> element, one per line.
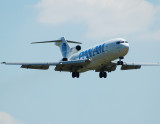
<point>30,65</point>
<point>46,65</point>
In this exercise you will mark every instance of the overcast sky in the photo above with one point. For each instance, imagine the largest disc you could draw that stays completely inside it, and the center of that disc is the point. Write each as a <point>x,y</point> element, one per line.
<point>49,97</point>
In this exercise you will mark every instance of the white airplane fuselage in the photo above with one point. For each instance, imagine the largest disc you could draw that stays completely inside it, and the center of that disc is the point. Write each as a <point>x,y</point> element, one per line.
<point>99,58</point>
<point>102,54</point>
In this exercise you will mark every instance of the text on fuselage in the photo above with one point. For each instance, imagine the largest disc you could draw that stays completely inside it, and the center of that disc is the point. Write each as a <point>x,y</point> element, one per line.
<point>92,52</point>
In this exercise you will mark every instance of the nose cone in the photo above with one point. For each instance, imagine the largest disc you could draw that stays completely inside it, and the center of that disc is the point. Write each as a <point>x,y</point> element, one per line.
<point>125,48</point>
<point>126,45</point>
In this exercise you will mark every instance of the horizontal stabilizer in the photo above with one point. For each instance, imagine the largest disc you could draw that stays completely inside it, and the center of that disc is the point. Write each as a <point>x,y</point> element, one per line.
<point>57,41</point>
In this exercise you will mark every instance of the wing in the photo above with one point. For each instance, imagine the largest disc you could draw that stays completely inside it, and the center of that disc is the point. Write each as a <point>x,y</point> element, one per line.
<point>30,65</point>
<point>111,66</point>
<point>126,66</point>
<point>60,66</point>
<point>129,66</point>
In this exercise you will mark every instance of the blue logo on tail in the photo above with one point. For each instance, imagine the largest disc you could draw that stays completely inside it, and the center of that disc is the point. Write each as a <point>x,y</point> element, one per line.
<point>64,49</point>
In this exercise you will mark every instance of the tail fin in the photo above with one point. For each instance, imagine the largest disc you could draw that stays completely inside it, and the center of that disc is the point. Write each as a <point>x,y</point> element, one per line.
<point>63,45</point>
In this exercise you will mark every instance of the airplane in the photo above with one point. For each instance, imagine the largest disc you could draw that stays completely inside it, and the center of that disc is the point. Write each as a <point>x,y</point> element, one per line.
<point>100,58</point>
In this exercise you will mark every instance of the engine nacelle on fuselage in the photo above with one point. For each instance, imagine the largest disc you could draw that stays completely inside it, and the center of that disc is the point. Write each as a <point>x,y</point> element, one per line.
<point>74,50</point>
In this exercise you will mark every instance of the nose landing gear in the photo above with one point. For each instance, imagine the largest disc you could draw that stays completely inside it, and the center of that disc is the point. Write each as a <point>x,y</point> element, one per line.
<point>120,62</point>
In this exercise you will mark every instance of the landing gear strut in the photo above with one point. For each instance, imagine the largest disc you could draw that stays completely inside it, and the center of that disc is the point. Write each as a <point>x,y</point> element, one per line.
<point>75,74</point>
<point>102,74</point>
<point>120,62</point>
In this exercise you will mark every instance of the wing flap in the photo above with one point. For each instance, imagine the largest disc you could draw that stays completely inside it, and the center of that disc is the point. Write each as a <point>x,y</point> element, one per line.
<point>71,65</point>
<point>109,67</point>
<point>41,67</point>
<point>143,64</point>
<point>129,67</point>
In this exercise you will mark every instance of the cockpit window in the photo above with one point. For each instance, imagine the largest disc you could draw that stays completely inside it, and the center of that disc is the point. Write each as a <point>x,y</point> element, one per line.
<point>119,42</point>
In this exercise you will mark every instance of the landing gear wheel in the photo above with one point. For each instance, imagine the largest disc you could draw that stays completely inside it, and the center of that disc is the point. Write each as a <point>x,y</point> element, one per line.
<point>100,74</point>
<point>120,62</point>
<point>103,74</point>
<point>75,74</point>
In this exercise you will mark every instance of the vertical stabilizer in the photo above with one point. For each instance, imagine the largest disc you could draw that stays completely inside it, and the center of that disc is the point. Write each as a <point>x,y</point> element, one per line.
<point>64,47</point>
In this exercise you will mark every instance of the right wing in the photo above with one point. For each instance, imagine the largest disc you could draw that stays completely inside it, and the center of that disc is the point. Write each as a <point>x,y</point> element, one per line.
<point>60,66</point>
<point>129,66</point>
<point>111,66</point>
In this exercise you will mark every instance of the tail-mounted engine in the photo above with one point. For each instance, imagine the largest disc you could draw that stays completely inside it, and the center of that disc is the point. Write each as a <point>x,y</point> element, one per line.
<point>78,47</point>
<point>74,50</point>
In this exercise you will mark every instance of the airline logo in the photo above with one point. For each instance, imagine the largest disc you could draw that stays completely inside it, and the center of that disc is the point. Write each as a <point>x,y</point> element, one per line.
<point>92,52</point>
<point>64,49</point>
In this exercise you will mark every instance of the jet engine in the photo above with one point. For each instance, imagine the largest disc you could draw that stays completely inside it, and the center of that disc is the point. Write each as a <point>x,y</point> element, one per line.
<point>72,51</point>
<point>78,47</point>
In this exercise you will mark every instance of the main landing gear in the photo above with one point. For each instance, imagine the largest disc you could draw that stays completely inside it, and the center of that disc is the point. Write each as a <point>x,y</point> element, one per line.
<point>120,62</point>
<point>75,74</point>
<point>103,74</point>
